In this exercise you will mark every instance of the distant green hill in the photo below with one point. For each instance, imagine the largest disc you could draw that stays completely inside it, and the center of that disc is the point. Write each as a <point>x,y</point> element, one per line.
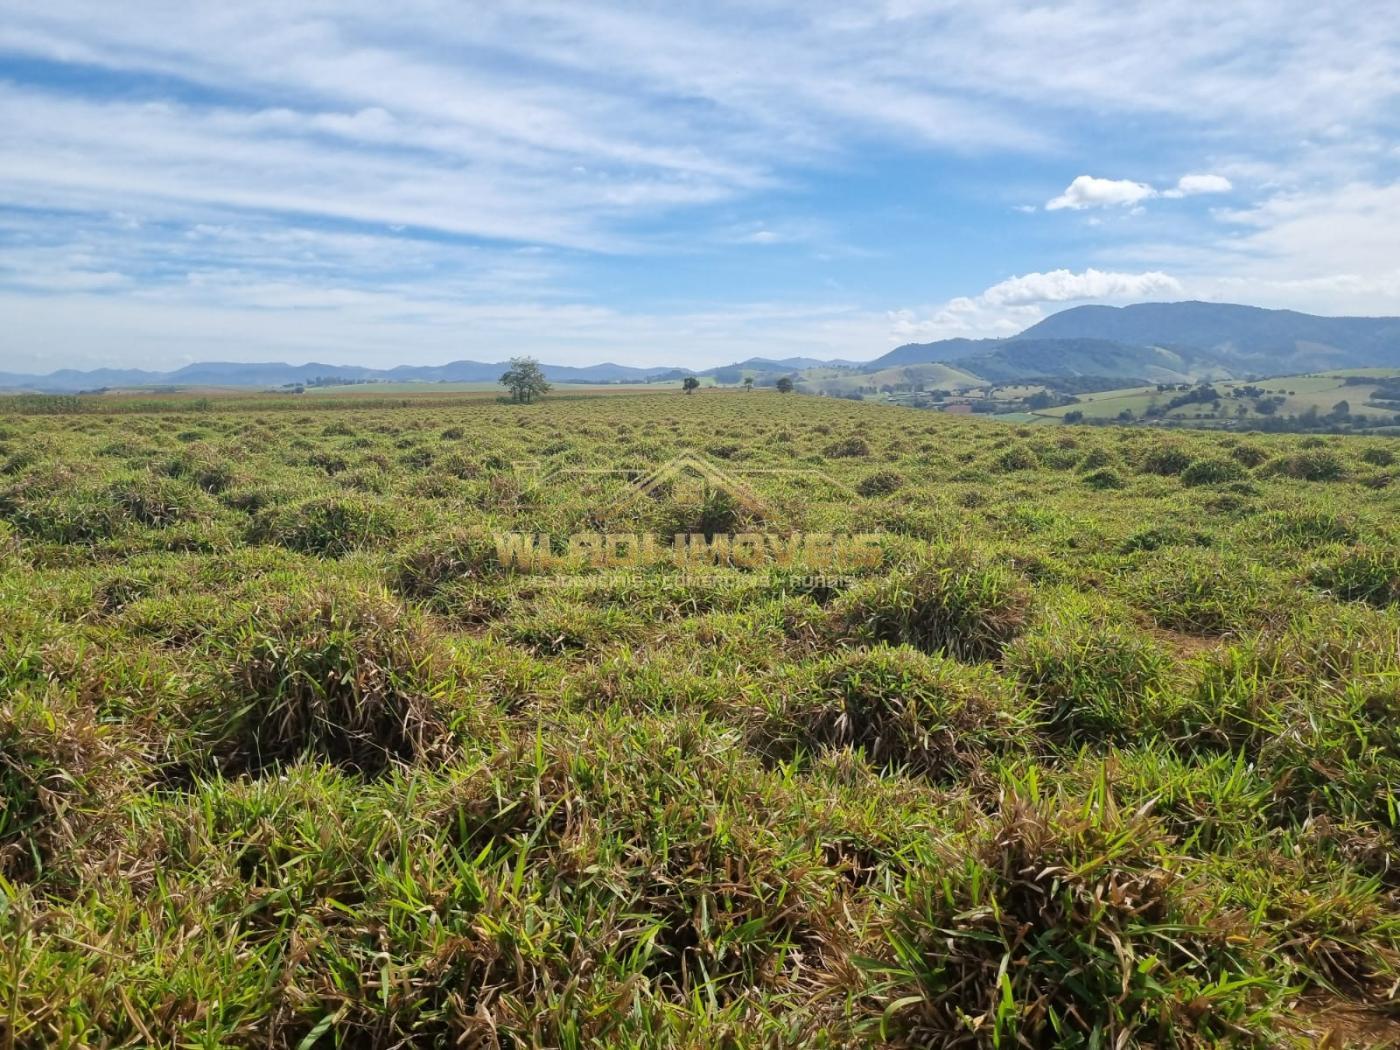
<point>1245,338</point>
<point>1008,360</point>
<point>928,376</point>
<point>941,350</point>
<point>1023,358</point>
<point>1167,342</point>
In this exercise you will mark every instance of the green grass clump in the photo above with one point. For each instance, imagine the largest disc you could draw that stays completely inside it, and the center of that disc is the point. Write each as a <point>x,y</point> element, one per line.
<point>1077,926</point>
<point>156,501</point>
<point>328,526</point>
<point>1104,478</point>
<point>1094,680</point>
<point>904,709</point>
<point>715,510</point>
<point>1166,460</point>
<point>355,680</point>
<point>881,483</point>
<point>1307,705</point>
<point>1212,471</point>
<point>1362,573</point>
<point>1311,528</point>
<point>1314,464</point>
<point>1018,457</point>
<point>1202,592</point>
<point>1378,456</point>
<point>55,509</point>
<point>433,562</point>
<point>848,448</point>
<point>956,601</point>
<point>63,772</point>
<point>1155,537</point>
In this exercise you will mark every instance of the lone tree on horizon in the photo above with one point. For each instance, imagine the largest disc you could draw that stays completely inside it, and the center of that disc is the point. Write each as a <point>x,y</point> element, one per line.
<point>785,385</point>
<point>690,385</point>
<point>525,380</point>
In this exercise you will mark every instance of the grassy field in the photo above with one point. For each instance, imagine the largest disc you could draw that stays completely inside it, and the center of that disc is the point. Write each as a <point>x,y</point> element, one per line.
<point>1097,746</point>
<point>931,376</point>
<point>1300,393</point>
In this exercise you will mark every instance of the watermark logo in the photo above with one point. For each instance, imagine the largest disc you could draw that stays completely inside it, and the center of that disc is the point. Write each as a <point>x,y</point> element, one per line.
<point>686,468</point>
<point>689,470</point>
<point>686,479</point>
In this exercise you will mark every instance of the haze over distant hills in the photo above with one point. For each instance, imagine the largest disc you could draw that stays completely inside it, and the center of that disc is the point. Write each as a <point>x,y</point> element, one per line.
<point>274,374</point>
<point>1149,341</point>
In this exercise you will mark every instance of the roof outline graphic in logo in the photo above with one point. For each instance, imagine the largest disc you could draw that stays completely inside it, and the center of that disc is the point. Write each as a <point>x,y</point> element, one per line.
<point>644,484</point>
<point>660,479</point>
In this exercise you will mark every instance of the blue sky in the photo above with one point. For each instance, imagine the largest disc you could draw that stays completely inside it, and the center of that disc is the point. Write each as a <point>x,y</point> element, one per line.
<point>691,184</point>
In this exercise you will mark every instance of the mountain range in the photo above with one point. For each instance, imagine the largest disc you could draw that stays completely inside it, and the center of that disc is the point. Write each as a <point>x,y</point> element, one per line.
<point>1167,341</point>
<point>1155,342</point>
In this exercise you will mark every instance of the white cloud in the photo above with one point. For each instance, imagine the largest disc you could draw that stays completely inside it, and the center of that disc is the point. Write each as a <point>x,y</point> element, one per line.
<point>1089,192</point>
<point>1059,286</point>
<point>1325,250</point>
<point>1012,305</point>
<point>1190,185</point>
<point>1086,191</point>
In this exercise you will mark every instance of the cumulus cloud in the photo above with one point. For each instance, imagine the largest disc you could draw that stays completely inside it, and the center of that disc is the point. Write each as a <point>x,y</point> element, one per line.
<point>1089,192</point>
<point>1017,303</point>
<point>1190,185</point>
<point>1060,286</point>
